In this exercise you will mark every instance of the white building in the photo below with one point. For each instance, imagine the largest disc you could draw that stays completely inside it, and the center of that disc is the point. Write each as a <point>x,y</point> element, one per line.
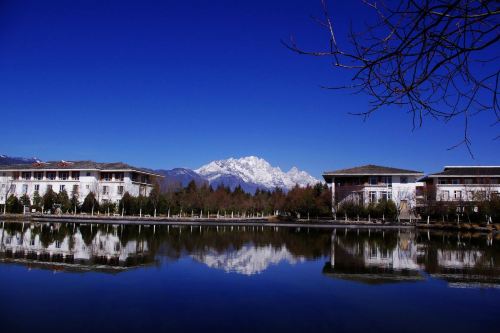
<point>108,181</point>
<point>372,183</point>
<point>464,183</point>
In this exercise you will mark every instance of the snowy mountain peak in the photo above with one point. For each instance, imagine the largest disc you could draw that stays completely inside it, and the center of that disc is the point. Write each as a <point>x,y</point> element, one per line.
<point>255,170</point>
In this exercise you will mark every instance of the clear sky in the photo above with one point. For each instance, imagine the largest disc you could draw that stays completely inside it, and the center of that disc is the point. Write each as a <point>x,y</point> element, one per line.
<point>166,84</point>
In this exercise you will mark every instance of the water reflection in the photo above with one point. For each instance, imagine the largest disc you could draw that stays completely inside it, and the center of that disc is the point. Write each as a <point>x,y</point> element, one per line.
<point>374,257</point>
<point>70,248</point>
<point>364,256</point>
<point>247,260</point>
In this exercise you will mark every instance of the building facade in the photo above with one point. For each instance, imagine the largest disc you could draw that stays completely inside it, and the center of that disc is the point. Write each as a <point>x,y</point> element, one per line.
<point>372,183</point>
<point>463,183</point>
<point>108,181</point>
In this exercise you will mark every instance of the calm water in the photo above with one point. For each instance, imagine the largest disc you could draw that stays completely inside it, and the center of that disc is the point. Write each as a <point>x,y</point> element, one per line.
<point>59,277</point>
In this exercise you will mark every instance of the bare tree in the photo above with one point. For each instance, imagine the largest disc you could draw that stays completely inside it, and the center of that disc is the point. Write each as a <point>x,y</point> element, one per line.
<point>405,203</point>
<point>434,58</point>
<point>6,188</point>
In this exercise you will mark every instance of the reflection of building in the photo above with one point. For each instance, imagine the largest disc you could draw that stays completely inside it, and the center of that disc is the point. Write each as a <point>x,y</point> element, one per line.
<point>105,251</point>
<point>369,260</point>
<point>465,267</point>
<point>247,260</point>
<point>108,181</point>
<point>378,257</point>
<point>372,183</point>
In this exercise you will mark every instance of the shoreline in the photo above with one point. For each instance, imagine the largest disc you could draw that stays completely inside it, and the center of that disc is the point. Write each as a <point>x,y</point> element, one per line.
<point>267,222</point>
<point>196,221</point>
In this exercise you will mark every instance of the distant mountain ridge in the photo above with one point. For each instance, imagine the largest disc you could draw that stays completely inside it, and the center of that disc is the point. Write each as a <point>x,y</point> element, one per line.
<point>250,173</point>
<point>179,178</point>
<point>8,160</point>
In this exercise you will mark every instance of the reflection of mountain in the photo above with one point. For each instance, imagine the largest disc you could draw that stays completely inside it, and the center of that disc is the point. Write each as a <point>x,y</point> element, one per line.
<point>247,260</point>
<point>104,252</point>
<point>379,257</point>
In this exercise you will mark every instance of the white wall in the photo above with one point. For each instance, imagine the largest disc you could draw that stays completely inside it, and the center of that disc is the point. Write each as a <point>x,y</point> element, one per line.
<point>88,182</point>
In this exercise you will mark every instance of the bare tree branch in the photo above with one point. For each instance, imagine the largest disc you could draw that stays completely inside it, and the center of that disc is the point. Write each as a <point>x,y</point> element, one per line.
<point>433,58</point>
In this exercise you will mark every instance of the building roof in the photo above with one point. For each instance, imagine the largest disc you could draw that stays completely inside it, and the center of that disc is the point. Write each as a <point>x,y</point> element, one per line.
<point>468,171</point>
<point>368,170</point>
<point>77,165</point>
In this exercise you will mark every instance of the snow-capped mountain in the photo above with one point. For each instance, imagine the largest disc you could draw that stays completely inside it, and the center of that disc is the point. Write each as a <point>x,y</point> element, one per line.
<point>8,160</point>
<point>248,260</point>
<point>256,171</point>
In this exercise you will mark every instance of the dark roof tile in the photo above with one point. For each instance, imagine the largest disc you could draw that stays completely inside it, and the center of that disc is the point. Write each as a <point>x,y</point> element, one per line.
<point>371,169</point>
<point>77,165</point>
<point>468,171</point>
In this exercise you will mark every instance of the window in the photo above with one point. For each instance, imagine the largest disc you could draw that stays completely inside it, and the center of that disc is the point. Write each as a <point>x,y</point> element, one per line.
<point>442,181</point>
<point>75,189</point>
<point>25,188</point>
<point>445,195</point>
<point>384,196</point>
<point>88,174</point>
<point>387,180</point>
<point>51,175</point>
<point>49,187</point>
<point>120,190</point>
<point>63,175</point>
<point>470,195</point>
<point>404,180</point>
<point>105,190</point>
<point>38,175</point>
<point>457,195</point>
<point>75,175</point>
<point>37,187</point>
<point>119,176</point>
<point>62,188</point>
<point>373,180</point>
<point>15,175</point>
<point>26,175</point>
<point>468,181</point>
<point>481,195</point>
<point>87,187</point>
<point>373,196</point>
<point>106,176</point>
<point>455,181</point>
<point>12,188</point>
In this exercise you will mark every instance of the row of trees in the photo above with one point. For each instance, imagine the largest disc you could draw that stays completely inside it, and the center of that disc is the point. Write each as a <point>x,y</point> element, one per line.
<point>481,211</point>
<point>49,201</point>
<point>197,200</point>
<point>307,202</point>
<point>384,209</point>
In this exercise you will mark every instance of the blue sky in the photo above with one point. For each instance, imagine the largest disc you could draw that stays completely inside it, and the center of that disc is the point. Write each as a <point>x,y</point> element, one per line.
<point>165,84</point>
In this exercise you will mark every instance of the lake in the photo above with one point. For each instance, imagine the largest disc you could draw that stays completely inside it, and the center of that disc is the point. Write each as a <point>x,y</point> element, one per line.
<point>99,278</point>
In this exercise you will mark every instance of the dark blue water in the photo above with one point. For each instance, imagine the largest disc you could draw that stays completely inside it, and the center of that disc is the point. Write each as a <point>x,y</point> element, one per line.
<point>103,279</point>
